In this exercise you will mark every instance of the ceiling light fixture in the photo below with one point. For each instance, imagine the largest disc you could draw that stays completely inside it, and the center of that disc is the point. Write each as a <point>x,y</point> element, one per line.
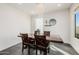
<point>33,13</point>
<point>59,5</point>
<point>19,3</point>
<point>40,9</point>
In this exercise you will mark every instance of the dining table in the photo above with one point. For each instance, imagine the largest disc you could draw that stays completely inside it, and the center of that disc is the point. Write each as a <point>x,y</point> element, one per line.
<point>33,37</point>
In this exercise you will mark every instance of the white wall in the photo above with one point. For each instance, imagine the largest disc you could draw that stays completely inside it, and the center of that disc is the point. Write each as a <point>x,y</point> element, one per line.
<point>62,27</point>
<point>12,22</point>
<point>74,41</point>
<point>33,24</point>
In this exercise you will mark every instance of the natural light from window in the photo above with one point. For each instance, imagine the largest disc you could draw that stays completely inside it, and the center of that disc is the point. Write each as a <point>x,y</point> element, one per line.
<point>39,24</point>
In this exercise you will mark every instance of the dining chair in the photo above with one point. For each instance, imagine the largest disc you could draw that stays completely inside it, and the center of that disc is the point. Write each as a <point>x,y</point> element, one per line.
<point>24,41</point>
<point>42,44</point>
<point>31,44</point>
<point>27,42</point>
<point>35,32</point>
<point>47,33</point>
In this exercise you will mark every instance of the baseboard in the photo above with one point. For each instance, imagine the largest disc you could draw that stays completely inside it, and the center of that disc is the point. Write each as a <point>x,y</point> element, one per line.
<point>10,46</point>
<point>67,44</point>
<point>75,48</point>
<point>56,41</point>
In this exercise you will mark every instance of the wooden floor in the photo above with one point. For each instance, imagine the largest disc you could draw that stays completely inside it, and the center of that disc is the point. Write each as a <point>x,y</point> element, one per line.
<point>16,50</point>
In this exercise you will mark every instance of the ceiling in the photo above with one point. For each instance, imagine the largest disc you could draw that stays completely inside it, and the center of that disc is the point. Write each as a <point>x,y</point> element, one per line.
<point>32,8</point>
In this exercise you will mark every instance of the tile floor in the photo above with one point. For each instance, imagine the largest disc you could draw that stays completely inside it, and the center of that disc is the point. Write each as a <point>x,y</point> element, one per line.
<point>55,49</point>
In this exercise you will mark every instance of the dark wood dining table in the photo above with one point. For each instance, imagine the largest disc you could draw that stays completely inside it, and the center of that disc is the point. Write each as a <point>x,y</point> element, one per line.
<point>32,36</point>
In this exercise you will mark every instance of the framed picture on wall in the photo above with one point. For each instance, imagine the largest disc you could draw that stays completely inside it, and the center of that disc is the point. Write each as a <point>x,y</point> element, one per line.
<point>50,22</point>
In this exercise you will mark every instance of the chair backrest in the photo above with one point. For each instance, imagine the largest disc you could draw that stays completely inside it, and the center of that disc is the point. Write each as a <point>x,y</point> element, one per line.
<point>47,33</point>
<point>24,37</point>
<point>35,32</point>
<point>40,40</point>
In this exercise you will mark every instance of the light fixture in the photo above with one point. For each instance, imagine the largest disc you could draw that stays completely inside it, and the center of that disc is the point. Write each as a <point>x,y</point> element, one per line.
<point>59,5</point>
<point>33,13</point>
<point>19,3</point>
<point>40,9</point>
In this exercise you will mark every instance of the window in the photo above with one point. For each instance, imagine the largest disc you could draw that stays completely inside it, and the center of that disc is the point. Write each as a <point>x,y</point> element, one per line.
<point>39,24</point>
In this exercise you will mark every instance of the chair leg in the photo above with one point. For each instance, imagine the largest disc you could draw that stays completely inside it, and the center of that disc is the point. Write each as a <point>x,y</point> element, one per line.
<point>40,52</point>
<point>48,50</point>
<point>28,50</point>
<point>45,52</point>
<point>36,51</point>
<point>22,48</point>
